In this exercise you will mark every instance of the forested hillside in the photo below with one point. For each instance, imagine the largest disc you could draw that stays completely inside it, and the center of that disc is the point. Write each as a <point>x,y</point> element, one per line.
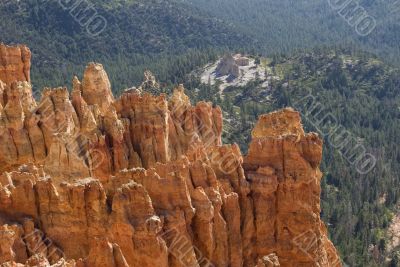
<point>163,36</point>
<point>282,26</point>
<point>172,37</point>
<point>361,94</point>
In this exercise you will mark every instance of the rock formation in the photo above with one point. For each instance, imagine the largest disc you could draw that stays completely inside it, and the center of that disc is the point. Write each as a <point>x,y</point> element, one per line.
<point>141,180</point>
<point>149,83</point>
<point>241,60</point>
<point>282,167</point>
<point>228,66</point>
<point>15,63</point>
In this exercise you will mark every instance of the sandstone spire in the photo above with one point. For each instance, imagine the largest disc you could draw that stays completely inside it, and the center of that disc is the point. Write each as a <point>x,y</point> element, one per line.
<point>282,167</point>
<point>15,63</point>
<point>96,87</point>
<point>86,180</point>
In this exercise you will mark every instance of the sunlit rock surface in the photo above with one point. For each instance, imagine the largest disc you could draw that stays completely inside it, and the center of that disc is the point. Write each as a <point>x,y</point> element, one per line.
<point>88,179</point>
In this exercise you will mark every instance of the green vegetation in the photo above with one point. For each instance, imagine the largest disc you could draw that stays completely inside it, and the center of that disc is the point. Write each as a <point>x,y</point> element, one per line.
<point>287,25</point>
<point>168,38</point>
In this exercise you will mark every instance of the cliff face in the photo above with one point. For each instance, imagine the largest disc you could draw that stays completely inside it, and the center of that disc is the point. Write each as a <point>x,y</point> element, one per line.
<point>142,180</point>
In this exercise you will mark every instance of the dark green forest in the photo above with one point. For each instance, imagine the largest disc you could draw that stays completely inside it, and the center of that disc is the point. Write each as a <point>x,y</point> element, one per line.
<point>157,35</point>
<point>309,46</point>
<point>286,25</point>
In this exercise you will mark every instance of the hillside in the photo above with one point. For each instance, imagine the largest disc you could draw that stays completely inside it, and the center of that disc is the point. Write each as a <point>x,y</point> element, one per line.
<point>165,36</point>
<point>287,25</point>
<point>172,38</point>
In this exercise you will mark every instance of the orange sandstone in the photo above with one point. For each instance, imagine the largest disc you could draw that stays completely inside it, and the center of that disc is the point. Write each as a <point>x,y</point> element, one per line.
<point>142,180</point>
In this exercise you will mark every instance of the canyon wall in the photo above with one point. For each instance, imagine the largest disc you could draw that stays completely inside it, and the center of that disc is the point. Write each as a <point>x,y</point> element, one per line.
<point>88,179</point>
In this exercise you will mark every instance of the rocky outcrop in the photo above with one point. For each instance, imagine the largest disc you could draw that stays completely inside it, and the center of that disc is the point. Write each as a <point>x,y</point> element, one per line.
<point>241,61</point>
<point>228,66</point>
<point>142,180</point>
<point>282,167</point>
<point>96,88</point>
<point>268,261</point>
<point>149,83</point>
<point>15,63</point>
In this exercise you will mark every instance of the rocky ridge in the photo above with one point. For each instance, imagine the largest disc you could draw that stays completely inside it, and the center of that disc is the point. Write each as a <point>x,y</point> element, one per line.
<point>143,180</point>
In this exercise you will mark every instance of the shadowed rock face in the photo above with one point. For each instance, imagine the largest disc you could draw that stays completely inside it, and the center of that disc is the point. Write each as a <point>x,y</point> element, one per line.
<point>228,66</point>
<point>142,180</point>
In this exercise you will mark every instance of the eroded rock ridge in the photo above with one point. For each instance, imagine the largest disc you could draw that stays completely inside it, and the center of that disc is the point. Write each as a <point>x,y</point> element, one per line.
<point>88,179</point>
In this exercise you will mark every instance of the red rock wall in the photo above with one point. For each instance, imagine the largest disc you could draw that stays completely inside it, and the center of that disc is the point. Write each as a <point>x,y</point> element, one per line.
<point>87,180</point>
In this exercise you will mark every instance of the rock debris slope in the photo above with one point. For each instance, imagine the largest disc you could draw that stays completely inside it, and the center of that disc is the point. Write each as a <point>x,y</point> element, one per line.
<point>142,180</point>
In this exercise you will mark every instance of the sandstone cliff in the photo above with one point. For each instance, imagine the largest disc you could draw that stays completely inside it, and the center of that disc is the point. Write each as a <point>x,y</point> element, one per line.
<point>143,180</point>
